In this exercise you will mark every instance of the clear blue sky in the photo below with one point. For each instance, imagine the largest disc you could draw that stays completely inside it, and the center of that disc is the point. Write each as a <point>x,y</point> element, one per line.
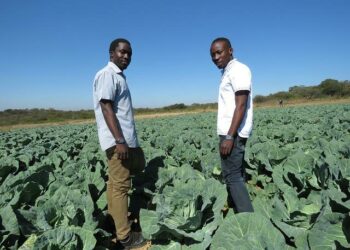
<point>51,50</point>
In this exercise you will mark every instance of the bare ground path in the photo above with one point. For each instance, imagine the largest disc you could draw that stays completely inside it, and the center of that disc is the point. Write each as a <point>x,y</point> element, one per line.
<point>89,121</point>
<point>155,115</point>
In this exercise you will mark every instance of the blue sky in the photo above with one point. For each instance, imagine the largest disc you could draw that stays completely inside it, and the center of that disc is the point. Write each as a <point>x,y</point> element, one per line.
<point>51,50</point>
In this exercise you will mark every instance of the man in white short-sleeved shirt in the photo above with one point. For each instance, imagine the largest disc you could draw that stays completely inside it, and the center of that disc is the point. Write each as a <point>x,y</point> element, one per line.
<point>110,84</point>
<point>234,121</point>
<point>117,136</point>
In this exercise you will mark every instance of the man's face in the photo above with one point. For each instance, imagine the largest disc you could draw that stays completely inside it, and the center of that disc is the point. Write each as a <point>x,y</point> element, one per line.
<point>221,54</point>
<point>121,56</point>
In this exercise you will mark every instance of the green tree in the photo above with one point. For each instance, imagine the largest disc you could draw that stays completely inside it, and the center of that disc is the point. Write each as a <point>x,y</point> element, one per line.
<point>331,87</point>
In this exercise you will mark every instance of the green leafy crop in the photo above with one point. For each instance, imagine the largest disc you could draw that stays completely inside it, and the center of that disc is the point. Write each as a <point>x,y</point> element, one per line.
<point>53,184</point>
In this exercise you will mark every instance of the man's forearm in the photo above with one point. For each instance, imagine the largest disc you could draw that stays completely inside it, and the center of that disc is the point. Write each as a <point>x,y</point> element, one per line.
<point>237,118</point>
<point>111,120</point>
<point>241,98</point>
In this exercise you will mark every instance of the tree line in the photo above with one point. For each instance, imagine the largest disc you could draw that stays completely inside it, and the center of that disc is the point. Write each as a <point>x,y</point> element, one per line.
<point>26,116</point>
<point>327,88</point>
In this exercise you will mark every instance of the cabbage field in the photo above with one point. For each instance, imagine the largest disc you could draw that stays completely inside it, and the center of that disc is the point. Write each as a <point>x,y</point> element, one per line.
<point>53,183</point>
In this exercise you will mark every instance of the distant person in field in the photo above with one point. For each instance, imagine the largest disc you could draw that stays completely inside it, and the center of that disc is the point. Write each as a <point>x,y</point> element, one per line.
<point>234,121</point>
<point>281,103</point>
<point>117,137</point>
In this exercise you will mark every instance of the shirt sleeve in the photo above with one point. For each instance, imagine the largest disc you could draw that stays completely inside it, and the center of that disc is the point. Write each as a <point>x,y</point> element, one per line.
<point>241,80</point>
<point>105,87</point>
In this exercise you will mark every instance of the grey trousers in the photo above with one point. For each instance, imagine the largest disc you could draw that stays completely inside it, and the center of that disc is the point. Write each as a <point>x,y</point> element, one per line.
<point>233,173</point>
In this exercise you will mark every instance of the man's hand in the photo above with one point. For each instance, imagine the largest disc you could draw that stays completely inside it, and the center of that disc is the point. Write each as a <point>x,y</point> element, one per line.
<point>226,147</point>
<point>122,151</point>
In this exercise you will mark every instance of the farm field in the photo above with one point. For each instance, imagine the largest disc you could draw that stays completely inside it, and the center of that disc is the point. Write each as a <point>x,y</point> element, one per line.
<point>18,122</point>
<point>53,182</point>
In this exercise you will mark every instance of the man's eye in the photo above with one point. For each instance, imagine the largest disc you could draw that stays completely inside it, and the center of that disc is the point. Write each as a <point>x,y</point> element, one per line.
<point>123,52</point>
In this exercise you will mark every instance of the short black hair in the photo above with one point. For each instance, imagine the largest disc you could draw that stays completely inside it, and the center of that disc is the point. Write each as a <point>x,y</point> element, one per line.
<point>222,39</point>
<point>115,43</point>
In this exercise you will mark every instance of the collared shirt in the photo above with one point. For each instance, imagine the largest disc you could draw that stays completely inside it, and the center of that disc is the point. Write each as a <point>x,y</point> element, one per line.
<point>236,76</point>
<point>110,84</point>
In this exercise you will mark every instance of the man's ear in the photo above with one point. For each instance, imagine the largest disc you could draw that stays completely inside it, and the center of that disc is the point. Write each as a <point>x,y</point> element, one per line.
<point>231,51</point>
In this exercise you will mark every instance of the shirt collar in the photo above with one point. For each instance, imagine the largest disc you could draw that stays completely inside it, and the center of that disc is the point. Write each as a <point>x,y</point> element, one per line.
<point>115,68</point>
<point>228,66</point>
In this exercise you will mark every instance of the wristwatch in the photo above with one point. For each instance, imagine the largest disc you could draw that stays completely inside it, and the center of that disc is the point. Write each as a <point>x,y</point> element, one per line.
<point>120,140</point>
<point>229,137</point>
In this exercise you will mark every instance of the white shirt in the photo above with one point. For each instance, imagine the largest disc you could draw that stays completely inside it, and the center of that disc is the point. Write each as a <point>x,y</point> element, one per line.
<point>110,84</point>
<point>236,76</point>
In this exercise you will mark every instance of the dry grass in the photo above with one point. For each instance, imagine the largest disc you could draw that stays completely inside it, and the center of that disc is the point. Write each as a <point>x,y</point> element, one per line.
<point>303,102</point>
<point>155,115</point>
<point>37,125</point>
<point>90,121</point>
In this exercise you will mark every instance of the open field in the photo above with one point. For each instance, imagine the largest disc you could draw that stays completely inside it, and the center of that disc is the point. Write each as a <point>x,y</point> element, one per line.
<point>303,102</point>
<point>53,184</point>
<point>175,112</point>
<point>90,121</point>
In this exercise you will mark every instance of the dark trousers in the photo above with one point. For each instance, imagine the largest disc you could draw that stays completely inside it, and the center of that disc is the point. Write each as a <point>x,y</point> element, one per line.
<point>233,172</point>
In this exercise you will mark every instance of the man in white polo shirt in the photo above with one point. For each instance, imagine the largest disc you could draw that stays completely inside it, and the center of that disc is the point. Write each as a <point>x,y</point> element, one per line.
<point>235,120</point>
<point>117,136</point>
